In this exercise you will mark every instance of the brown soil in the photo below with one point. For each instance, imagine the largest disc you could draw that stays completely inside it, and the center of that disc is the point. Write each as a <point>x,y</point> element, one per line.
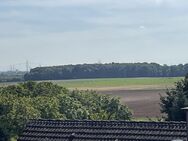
<point>143,103</point>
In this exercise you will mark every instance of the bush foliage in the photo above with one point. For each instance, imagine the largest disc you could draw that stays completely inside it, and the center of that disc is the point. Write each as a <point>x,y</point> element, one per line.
<point>176,99</point>
<point>19,103</point>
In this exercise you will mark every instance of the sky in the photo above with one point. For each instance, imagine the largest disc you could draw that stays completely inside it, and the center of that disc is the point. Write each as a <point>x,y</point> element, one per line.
<point>59,32</point>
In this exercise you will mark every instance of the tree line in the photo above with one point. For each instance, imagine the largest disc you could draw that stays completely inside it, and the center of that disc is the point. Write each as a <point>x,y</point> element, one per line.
<point>110,70</point>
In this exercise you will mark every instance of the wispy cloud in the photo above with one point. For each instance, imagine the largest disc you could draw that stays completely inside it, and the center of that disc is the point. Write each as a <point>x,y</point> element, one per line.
<point>119,26</point>
<point>52,3</point>
<point>57,3</point>
<point>172,3</point>
<point>43,16</point>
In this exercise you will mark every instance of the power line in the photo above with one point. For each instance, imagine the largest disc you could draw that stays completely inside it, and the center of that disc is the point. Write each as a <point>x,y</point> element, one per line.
<point>23,66</point>
<point>26,66</point>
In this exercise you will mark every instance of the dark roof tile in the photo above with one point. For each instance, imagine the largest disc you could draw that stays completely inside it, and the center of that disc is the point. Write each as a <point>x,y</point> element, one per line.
<point>59,130</point>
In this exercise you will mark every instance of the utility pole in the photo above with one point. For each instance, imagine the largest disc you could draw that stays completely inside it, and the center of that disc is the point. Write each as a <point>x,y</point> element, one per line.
<point>10,67</point>
<point>27,66</point>
<point>13,68</point>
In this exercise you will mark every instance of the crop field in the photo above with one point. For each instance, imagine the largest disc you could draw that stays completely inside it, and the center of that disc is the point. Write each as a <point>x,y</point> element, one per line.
<point>116,83</point>
<point>141,95</point>
<point>143,103</point>
<point>112,83</point>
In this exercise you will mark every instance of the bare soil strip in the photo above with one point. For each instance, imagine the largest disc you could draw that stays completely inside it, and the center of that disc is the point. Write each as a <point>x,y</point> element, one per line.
<point>143,103</point>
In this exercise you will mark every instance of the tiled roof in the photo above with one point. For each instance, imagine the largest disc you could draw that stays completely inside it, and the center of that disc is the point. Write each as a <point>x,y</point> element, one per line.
<point>82,130</point>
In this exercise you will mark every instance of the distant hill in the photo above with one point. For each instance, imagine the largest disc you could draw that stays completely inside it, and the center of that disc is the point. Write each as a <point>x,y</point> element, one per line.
<point>110,70</point>
<point>12,76</point>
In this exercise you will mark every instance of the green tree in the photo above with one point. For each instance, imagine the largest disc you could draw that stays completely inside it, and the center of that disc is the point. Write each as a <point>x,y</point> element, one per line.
<point>176,99</point>
<point>3,136</point>
<point>16,112</point>
<point>30,100</point>
<point>110,70</point>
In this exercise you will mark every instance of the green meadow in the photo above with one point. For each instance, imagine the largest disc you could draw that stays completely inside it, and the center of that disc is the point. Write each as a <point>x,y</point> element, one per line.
<point>112,83</point>
<point>119,83</point>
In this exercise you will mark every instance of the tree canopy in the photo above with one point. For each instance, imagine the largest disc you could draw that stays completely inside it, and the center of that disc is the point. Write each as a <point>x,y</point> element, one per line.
<point>30,100</point>
<point>111,70</point>
<point>176,99</point>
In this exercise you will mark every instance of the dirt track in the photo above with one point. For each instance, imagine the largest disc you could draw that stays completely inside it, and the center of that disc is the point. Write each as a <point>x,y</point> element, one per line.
<point>144,103</point>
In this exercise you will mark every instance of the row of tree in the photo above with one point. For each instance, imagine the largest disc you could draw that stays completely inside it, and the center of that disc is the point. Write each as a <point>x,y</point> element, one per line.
<point>30,100</point>
<point>112,70</point>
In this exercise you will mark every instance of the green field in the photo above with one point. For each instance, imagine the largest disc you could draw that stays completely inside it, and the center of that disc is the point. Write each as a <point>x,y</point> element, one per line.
<point>112,83</point>
<point>119,83</point>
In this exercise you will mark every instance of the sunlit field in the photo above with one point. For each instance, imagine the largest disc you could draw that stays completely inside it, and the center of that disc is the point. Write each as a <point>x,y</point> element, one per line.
<point>127,83</point>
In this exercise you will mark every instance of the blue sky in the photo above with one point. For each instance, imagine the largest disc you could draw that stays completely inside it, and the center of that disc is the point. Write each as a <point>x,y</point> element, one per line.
<point>53,32</point>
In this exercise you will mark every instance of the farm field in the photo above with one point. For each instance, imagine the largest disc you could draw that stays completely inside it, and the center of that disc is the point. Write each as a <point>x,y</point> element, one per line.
<point>142,95</point>
<point>143,103</point>
<point>119,83</point>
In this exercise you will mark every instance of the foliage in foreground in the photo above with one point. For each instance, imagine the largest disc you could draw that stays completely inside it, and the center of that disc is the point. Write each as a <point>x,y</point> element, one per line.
<point>176,99</point>
<point>19,103</point>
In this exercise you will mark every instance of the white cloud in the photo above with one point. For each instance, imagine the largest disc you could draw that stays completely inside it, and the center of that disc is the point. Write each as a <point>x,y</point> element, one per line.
<point>90,26</point>
<point>159,1</point>
<point>142,27</point>
<point>52,3</point>
<point>111,3</point>
<point>171,3</point>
